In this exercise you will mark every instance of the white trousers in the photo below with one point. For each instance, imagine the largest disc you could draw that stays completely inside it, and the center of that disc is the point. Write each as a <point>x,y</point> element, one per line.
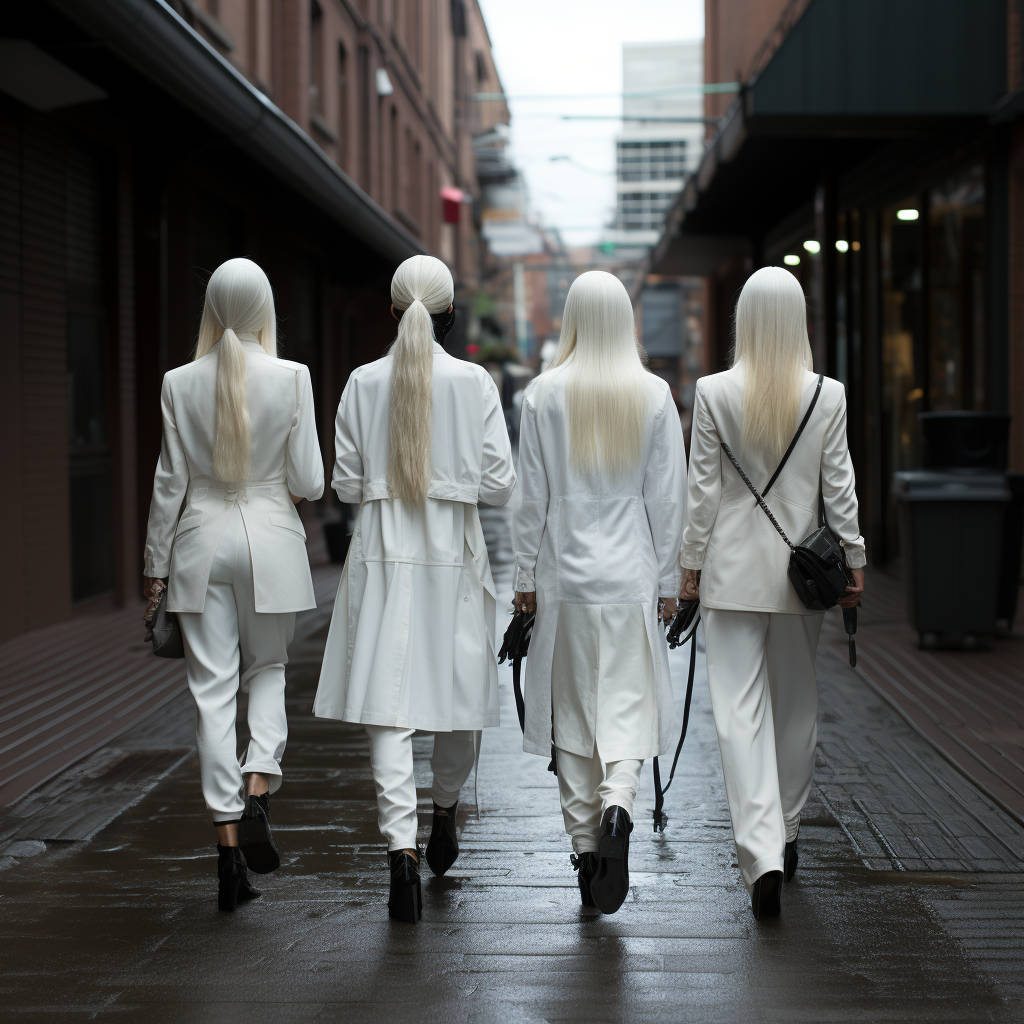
<point>228,635</point>
<point>586,787</point>
<point>391,763</point>
<point>765,700</point>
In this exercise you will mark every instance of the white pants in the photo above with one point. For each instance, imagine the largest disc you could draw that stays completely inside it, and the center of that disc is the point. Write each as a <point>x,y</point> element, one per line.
<point>765,700</point>
<point>391,763</point>
<point>586,787</point>
<point>227,635</point>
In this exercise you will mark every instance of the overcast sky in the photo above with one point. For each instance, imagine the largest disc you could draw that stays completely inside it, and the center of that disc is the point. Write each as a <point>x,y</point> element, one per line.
<point>573,48</point>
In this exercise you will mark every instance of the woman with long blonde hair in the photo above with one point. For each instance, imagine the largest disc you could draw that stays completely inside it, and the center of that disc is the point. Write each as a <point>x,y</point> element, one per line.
<point>761,640</point>
<point>596,540</point>
<point>421,441</point>
<point>239,451</point>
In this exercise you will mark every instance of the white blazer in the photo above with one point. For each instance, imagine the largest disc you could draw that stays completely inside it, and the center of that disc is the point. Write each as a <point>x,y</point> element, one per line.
<point>597,541</point>
<point>411,642</point>
<point>285,457</point>
<point>743,559</point>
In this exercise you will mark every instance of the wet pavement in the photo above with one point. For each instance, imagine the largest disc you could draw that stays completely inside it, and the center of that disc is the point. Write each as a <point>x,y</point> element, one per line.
<point>907,904</point>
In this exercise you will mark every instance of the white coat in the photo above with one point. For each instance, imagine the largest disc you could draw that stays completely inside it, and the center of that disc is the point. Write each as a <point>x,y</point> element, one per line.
<point>743,559</point>
<point>411,642</point>
<point>285,457</point>
<point>589,547</point>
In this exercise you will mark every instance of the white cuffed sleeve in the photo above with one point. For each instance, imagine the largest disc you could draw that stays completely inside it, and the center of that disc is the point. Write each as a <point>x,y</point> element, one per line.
<point>530,518</point>
<point>170,483</point>
<point>348,465</point>
<point>665,495</point>
<point>838,486</point>
<point>303,462</point>
<point>497,473</point>
<point>703,485</point>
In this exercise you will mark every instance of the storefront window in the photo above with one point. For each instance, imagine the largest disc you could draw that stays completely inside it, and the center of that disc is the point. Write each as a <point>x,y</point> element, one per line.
<point>956,287</point>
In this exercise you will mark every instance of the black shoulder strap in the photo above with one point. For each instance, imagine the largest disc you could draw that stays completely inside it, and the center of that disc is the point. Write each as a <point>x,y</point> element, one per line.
<point>796,436</point>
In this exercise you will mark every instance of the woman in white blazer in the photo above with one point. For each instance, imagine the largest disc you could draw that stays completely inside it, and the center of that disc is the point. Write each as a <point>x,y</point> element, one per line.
<point>596,538</point>
<point>421,440</point>
<point>761,640</point>
<point>239,450</point>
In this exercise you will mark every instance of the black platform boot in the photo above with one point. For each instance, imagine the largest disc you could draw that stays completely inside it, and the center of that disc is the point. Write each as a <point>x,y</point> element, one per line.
<point>610,883</point>
<point>254,836</point>
<point>790,860</point>
<point>766,896</point>
<point>443,847</point>
<point>404,902</point>
<point>233,878</point>
<point>585,866</point>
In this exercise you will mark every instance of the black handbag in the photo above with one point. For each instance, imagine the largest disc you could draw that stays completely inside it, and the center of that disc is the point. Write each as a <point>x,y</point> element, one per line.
<point>163,628</point>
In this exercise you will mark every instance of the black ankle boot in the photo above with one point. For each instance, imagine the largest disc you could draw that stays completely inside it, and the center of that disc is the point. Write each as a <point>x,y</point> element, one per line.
<point>443,848</point>
<point>790,860</point>
<point>404,902</point>
<point>610,883</point>
<point>585,866</point>
<point>254,836</point>
<point>766,896</point>
<point>233,878</point>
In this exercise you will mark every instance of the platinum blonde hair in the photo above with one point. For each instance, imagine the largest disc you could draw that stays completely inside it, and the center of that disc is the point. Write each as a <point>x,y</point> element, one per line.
<point>774,351</point>
<point>606,392</point>
<point>239,301</point>
<point>422,285</point>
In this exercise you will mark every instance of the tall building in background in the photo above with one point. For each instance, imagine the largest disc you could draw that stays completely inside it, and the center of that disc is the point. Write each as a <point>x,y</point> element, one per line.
<point>660,82</point>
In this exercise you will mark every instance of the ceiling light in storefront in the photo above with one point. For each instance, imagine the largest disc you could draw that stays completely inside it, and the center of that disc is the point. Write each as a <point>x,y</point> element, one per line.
<point>792,260</point>
<point>812,246</point>
<point>855,246</point>
<point>907,215</point>
<point>842,245</point>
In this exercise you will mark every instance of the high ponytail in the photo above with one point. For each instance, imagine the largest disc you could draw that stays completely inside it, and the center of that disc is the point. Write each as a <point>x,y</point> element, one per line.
<point>239,301</point>
<point>422,285</point>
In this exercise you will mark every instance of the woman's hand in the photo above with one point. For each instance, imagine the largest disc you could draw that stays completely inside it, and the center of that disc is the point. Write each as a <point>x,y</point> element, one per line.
<point>690,590</point>
<point>525,600</point>
<point>667,608</point>
<point>853,592</point>
<point>295,500</point>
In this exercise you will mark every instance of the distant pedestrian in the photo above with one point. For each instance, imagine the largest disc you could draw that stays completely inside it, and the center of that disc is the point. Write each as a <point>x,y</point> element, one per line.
<point>761,639</point>
<point>421,440</point>
<point>239,450</point>
<point>596,540</point>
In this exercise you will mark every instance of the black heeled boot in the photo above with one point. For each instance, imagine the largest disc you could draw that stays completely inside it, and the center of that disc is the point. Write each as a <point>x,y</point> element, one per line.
<point>585,866</point>
<point>254,836</point>
<point>766,896</point>
<point>443,848</point>
<point>405,902</point>
<point>610,883</point>
<point>790,859</point>
<point>233,878</point>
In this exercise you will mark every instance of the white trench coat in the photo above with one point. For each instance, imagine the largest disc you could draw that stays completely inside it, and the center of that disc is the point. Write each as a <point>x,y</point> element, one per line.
<point>411,642</point>
<point>599,553</point>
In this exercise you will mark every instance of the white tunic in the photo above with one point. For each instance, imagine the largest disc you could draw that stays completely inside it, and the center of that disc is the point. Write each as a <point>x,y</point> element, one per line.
<point>599,553</point>
<point>411,642</point>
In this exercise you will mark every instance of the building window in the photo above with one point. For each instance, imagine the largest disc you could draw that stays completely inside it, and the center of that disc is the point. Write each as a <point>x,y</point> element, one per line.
<point>651,160</point>
<point>643,211</point>
<point>393,157</point>
<point>342,107</point>
<point>316,58</point>
<point>363,84</point>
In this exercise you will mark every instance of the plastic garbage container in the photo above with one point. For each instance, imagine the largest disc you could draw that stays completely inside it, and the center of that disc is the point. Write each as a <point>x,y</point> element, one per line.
<point>951,536</point>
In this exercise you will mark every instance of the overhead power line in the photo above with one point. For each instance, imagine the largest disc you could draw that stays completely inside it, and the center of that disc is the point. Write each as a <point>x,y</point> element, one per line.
<point>707,87</point>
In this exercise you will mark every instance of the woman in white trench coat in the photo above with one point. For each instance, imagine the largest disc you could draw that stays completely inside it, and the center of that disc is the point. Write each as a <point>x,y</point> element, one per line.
<point>603,470</point>
<point>421,439</point>
<point>761,640</point>
<point>239,449</point>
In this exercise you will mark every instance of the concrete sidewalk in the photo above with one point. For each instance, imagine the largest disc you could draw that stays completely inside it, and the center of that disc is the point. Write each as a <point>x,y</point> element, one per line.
<point>124,926</point>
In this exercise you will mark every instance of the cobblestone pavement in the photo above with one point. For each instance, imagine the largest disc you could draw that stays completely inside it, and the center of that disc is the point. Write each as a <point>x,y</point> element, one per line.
<point>906,906</point>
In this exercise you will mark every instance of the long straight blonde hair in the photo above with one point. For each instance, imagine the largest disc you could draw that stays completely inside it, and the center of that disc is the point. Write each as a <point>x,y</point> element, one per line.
<point>774,351</point>
<point>239,302</point>
<point>606,393</point>
<point>422,285</point>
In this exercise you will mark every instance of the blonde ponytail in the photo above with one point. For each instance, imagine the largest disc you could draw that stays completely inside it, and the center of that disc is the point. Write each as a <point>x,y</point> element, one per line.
<point>422,285</point>
<point>231,448</point>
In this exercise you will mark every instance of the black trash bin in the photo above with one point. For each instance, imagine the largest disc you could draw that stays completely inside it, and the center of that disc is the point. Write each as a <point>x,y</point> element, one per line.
<point>951,536</point>
<point>964,439</point>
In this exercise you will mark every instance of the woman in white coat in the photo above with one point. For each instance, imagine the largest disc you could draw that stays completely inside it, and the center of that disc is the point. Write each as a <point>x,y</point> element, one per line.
<point>239,450</point>
<point>421,439</point>
<point>603,472</point>
<point>761,640</point>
